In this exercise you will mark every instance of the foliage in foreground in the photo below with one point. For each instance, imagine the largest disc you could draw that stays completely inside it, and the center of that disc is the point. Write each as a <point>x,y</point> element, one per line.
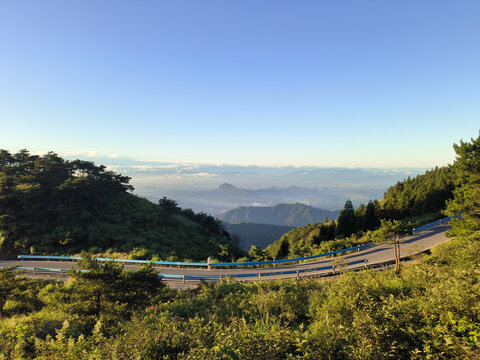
<point>430,311</point>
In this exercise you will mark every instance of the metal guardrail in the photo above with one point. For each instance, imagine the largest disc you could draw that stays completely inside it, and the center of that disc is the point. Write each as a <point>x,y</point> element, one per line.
<point>358,247</point>
<point>435,223</point>
<point>48,257</point>
<point>252,276</point>
<point>36,270</point>
<point>199,264</point>
<point>261,275</point>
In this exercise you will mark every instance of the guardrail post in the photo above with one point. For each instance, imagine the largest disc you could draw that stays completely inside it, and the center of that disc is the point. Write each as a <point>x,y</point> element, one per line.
<point>334,268</point>
<point>183,279</point>
<point>259,276</point>
<point>298,274</point>
<point>33,271</point>
<point>366,262</point>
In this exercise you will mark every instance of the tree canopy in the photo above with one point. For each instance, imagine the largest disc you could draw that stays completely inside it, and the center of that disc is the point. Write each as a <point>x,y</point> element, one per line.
<point>51,205</point>
<point>421,195</point>
<point>346,220</point>
<point>466,199</point>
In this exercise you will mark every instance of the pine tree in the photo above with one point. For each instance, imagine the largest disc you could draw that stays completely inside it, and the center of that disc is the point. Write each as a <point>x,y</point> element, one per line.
<point>389,232</point>
<point>371,218</point>
<point>346,220</point>
<point>466,197</point>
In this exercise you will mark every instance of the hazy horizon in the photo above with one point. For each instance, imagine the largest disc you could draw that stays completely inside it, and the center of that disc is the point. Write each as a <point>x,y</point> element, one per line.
<point>199,186</point>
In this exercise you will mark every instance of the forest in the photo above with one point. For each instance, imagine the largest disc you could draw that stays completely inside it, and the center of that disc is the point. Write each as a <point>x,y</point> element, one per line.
<point>428,310</point>
<point>413,202</point>
<point>49,205</point>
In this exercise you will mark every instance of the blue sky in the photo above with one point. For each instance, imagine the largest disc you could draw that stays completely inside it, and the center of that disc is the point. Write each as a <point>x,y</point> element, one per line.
<point>325,83</point>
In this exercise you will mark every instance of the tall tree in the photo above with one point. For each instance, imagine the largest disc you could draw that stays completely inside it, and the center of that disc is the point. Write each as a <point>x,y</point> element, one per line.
<point>389,232</point>
<point>360,217</point>
<point>346,220</point>
<point>371,217</point>
<point>467,196</point>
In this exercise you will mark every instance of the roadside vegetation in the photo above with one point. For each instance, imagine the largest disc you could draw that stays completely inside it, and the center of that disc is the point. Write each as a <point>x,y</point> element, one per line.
<point>430,311</point>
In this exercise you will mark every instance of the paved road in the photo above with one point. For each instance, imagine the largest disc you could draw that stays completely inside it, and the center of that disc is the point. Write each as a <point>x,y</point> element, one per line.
<point>376,255</point>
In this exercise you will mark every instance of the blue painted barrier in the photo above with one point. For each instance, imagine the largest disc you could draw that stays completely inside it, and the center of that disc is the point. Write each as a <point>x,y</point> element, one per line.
<point>258,275</point>
<point>288,260</point>
<point>208,276</point>
<point>204,264</point>
<point>49,257</point>
<point>435,223</point>
<point>178,263</point>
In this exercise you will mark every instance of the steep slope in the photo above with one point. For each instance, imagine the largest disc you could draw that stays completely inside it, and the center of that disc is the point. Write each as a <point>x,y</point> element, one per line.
<point>422,194</point>
<point>49,205</point>
<point>421,198</point>
<point>282,214</point>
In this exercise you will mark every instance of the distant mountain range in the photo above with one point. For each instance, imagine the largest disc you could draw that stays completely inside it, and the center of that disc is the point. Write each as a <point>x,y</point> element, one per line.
<point>198,186</point>
<point>283,214</point>
<point>260,235</point>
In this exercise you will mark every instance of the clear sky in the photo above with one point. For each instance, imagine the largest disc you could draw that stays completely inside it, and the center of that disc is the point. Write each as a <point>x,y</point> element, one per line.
<point>327,83</point>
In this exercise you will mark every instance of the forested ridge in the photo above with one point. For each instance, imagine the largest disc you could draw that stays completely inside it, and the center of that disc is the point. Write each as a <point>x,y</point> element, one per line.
<point>412,201</point>
<point>49,205</point>
<point>424,194</point>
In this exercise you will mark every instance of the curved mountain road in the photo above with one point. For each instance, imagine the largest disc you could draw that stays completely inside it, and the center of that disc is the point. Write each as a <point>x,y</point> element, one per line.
<point>371,256</point>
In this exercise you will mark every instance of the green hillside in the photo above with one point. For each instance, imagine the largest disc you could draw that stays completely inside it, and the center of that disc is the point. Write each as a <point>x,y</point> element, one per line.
<point>302,241</point>
<point>52,206</point>
<point>421,195</point>
<point>414,201</point>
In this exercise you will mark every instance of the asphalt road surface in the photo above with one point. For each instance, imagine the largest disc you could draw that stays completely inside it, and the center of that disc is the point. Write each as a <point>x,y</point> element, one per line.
<point>374,254</point>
